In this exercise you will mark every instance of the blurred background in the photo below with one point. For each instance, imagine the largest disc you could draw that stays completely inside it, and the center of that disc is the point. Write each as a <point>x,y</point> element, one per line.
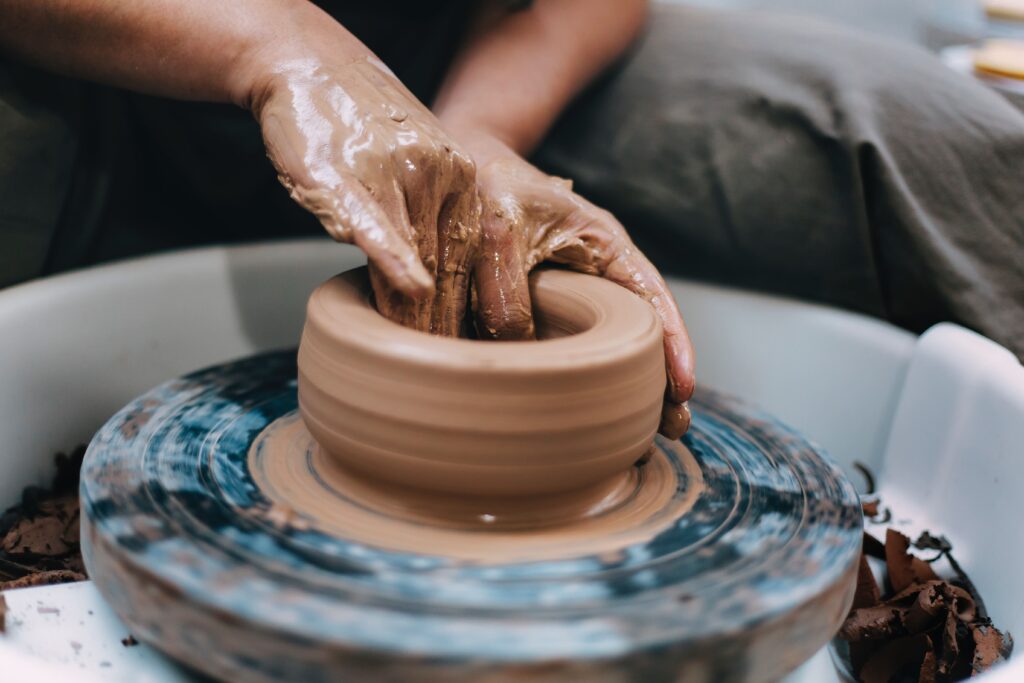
<point>957,30</point>
<point>935,23</point>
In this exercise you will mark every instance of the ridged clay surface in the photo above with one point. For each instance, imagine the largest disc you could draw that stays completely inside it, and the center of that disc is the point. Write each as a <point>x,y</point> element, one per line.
<point>485,418</point>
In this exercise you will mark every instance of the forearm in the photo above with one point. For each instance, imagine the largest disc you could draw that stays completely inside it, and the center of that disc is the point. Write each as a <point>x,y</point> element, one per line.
<point>185,49</point>
<point>518,71</point>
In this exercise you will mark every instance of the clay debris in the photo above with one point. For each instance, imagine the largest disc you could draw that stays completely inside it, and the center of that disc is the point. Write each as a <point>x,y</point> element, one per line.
<point>39,542</point>
<point>922,628</point>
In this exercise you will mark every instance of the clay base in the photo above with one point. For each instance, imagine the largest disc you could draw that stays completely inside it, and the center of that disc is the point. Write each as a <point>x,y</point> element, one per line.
<point>632,507</point>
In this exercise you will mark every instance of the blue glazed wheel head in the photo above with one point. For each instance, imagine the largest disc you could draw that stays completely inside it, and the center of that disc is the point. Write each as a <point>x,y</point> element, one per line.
<point>485,418</point>
<point>749,569</point>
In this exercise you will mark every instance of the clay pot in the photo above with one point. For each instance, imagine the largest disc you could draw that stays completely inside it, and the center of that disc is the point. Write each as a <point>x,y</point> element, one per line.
<point>485,417</point>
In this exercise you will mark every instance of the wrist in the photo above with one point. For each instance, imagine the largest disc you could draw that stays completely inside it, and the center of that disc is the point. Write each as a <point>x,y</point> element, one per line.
<point>482,143</point>
<point>301,32</point>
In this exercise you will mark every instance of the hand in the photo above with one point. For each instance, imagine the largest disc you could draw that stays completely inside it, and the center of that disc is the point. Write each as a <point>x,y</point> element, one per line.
<point>529,217</point>
<point>348,140</point>
<point>356,148</point>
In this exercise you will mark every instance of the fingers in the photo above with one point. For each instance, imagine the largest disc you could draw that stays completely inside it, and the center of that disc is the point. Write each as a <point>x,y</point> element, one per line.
<point>679,356</point>
<point>500,277</point>
<point>631,269</point>
<point>457,224</point>
<point>545,221</point>
<point>458,228</point>
<point>602,246</point>
<point>344,206</point>
<point>416,200</point>
<point>350,214</point>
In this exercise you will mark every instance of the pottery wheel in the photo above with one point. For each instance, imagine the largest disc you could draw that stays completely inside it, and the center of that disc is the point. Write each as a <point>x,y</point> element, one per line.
<point>222,536</point>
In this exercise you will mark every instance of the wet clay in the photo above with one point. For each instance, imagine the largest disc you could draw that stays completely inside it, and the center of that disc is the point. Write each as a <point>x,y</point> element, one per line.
<point>353,146</point>
<point>475,418</point>
<point>529,217</point>
<point>631,507</point>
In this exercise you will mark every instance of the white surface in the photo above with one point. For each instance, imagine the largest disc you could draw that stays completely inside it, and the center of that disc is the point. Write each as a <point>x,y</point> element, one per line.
<point>955,460</point>
<point>835,376</point>
<point>72,627</point>
<point>77,347</point>
<point>69,631</point>
<point>960,58</point>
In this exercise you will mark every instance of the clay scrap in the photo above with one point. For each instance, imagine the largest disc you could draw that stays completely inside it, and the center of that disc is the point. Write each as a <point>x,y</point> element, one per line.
<point>922,628</point>
<point>39,536</point>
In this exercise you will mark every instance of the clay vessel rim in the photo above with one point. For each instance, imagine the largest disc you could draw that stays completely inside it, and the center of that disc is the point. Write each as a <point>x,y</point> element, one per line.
<point>622,319</point>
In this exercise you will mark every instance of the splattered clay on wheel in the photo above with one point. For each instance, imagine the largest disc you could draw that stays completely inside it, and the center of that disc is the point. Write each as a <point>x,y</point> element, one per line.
<point>222,536</point>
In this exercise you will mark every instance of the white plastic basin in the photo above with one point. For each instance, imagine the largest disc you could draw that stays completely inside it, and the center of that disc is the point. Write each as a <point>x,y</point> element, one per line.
<point>940,418</point>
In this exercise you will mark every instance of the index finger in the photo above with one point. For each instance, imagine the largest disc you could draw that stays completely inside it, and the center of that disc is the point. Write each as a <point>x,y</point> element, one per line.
<point>629,268</point>
<point>351,214</point>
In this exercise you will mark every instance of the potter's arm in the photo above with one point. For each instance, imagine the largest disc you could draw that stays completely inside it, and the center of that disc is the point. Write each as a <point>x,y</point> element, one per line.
<point>185,49</point>
<point>518,70</point>
<point>349,141</point>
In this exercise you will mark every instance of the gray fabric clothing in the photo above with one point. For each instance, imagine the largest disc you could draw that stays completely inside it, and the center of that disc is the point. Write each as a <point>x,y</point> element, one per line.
<point>788,155</point>
<point>767,152</point>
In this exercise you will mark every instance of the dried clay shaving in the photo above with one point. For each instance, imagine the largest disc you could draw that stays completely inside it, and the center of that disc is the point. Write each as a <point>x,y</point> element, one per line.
<point>39,542</point>
<point>922,628</point>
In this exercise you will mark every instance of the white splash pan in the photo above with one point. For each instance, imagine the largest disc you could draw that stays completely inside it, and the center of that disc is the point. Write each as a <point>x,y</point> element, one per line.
<point>940,418</point>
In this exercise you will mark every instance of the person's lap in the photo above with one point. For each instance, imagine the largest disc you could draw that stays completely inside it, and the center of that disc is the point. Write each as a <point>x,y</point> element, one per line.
<point>792,156</point>
<point>765,152</point>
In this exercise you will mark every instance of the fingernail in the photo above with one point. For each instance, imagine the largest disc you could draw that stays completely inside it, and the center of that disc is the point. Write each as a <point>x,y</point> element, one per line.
<point>675,420</point>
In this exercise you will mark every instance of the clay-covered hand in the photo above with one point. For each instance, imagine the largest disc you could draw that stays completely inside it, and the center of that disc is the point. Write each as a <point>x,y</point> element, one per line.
<point>356,148</point>
<point>529,217</point>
